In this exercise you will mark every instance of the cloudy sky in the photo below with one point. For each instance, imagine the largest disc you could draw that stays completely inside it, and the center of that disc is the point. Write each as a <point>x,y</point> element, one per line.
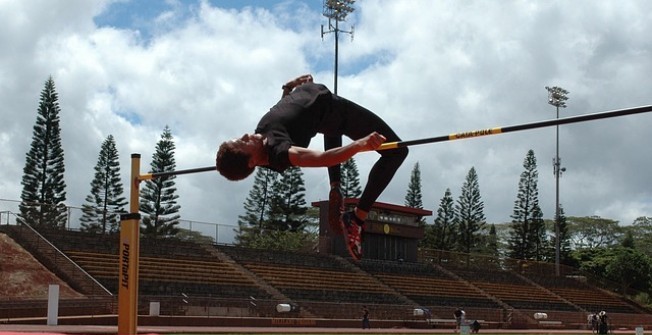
<point>210,69</point>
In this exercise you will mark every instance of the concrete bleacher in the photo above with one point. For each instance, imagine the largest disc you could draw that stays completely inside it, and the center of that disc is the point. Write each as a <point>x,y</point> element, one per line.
<point>332,287</point>
<point>429,291</point>
<point>513,290</point>
<point>167,276</point>
<point>426,285</point>
<point>291,258</point>
<point>319,281</point>
<point>309,276</point>
<point>76,240</point>
<point>584,295</point>
<point>168,267</point>
<point>109,244</point>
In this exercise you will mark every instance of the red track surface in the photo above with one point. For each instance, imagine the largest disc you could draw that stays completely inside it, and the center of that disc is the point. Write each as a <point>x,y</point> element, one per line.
<point>52,330</point>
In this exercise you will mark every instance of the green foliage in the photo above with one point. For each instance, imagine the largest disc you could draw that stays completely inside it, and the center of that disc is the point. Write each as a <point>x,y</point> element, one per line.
<point>527,237</point>
<point>288,205</point>
<point>565,248</point>
<point>413,198</point>
<point>593,232</point>
<point>592,261</point>
<point>256,206</point>
<point>469,214</point>
<point>643,298</point>
<point>284,240</point>
<point>628,267</point>
<point>641,230</point>
<point>493,243</point>
<point>101,212</point>
<point>43,194</point>
<point>275,207</point>
<point>312,220</point>
<point>158,196</point>
<point>193,236</point>
<point>442,233</point>
<point>350,180</point>
<point>628,240</point>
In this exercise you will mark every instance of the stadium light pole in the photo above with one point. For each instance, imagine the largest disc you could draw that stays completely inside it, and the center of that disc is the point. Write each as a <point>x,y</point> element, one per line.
<point>557,97</point>
<point>336,11</point>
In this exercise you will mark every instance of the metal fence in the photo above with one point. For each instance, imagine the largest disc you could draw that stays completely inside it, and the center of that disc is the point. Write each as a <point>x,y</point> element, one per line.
<point>215,232</point>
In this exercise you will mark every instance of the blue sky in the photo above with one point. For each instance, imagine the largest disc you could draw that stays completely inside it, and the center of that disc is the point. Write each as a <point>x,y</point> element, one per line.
<point>141,15</point>
<point>210,69</point>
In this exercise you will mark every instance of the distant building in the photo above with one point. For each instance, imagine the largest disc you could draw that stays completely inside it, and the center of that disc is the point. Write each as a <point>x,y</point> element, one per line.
<point>392,231</point>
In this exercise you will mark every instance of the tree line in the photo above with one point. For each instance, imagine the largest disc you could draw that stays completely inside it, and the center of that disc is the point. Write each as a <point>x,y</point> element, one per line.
<point>595,245</point>
<point>276,215</point>
<point>44,190</point>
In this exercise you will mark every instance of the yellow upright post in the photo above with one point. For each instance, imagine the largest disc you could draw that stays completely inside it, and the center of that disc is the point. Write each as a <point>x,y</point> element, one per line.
<point>129,257</point>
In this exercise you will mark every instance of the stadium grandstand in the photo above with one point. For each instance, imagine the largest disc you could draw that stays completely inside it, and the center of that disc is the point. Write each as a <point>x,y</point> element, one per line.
<point>193,283</point>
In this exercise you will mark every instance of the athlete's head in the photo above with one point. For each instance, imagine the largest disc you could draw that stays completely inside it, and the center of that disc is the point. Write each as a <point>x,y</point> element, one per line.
<point>236,158</point>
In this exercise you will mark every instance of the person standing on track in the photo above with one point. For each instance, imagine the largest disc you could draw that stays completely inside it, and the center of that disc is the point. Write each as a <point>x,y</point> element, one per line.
<point>459,315</point>
<point>283,134</point>
<point>365,318</point>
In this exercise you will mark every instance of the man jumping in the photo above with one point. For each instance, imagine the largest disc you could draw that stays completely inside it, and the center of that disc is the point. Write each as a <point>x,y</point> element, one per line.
<point>283,134</point>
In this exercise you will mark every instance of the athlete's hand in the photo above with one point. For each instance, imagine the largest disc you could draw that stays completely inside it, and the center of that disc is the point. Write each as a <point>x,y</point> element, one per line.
<point>306,78</point>
<point>371,142</point>
<point>305,157</point>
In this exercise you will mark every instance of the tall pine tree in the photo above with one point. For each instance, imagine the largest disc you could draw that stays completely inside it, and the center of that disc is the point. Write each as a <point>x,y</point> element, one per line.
<point>527,234</point>
<point>565,247</point>
<point>350,180</point>
<point>469,212</point>
<point>441,234</point>
<point>413,197</point>
<point>256,206</point>
<point>101,212</point>
<point>493,243</point>
<point>288,208</point>
<point>490,246</point>
<point>44,188</point>
<point>158,198</point>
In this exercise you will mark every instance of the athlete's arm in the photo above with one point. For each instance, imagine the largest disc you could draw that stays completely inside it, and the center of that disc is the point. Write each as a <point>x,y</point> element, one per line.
<point>314,158</point>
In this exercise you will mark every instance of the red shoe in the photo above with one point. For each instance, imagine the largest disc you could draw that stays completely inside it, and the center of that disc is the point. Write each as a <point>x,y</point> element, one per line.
<point>352,234</point>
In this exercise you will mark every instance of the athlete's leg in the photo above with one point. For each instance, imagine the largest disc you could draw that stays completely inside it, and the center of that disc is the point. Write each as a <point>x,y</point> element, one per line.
<point>347,118</point>
<point>357,123</point>
<point>335,204</point>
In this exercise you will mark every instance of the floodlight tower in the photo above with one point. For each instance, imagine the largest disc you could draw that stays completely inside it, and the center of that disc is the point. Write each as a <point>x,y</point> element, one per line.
<point>336,11</point>
<point>557,97</point>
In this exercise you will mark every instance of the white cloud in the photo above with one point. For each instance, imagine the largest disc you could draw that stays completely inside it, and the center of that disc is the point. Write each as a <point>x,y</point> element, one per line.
<point>428,68</point>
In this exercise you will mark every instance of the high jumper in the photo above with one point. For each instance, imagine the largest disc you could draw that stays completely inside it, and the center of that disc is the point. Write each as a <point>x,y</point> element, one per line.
<point>283,134</point>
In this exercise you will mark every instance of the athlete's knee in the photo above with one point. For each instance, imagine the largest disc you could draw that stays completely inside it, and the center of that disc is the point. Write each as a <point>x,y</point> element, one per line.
<point>398,154</point>
<point>404,152</point>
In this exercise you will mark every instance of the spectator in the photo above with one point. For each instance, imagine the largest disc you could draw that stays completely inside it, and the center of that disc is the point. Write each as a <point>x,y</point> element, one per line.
<point>365,318</point>
<point>475,326</point>
<point>426,313</point>
<point>459,315</point>
<point>603,323</point>
<point>593,322</point>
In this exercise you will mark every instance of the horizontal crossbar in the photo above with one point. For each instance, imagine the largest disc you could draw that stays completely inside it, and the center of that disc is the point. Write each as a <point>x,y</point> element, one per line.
<point>525,126</point>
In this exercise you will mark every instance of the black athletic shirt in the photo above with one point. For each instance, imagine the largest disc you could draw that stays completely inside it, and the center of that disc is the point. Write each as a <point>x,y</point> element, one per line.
<point>293,121</point>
